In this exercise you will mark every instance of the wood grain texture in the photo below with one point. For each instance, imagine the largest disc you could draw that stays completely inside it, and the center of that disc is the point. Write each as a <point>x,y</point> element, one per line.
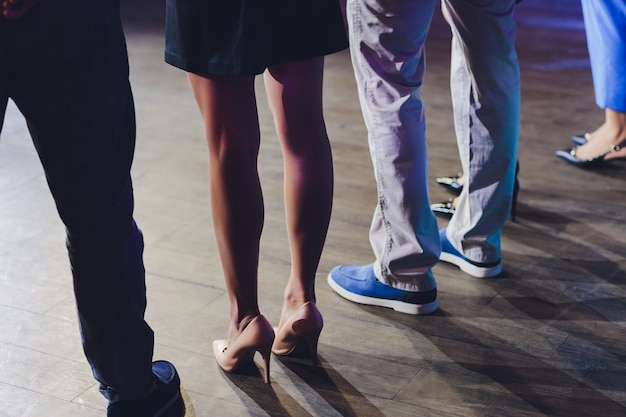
<point>547,338</point>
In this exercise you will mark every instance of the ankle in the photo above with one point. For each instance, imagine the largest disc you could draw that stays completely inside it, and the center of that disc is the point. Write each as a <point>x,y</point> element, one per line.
<point>238,324</point>
<point>613,131</point>
<point>296,294</point>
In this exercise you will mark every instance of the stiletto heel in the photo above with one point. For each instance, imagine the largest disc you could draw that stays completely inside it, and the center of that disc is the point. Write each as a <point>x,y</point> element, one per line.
<point>258,336</point>
<point>303,325</point>
<point>266,353</point>
<point>515,192</point>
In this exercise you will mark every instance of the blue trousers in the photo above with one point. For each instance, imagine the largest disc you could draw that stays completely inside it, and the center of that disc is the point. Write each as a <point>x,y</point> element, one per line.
<point>605,27</point>
<point>65,66</point>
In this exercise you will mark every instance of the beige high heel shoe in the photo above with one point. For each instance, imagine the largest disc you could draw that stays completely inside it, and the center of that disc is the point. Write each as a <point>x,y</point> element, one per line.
<point>258,336</point>
<point>303,325</point>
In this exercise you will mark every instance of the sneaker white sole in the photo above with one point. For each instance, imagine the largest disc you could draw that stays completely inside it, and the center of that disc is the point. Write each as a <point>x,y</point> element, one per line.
<point>469,268</point>
<point>402,307</point>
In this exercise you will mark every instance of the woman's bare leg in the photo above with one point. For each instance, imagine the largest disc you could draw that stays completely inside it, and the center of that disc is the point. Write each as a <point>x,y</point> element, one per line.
<point>228,107</point>
<point>295,97</point>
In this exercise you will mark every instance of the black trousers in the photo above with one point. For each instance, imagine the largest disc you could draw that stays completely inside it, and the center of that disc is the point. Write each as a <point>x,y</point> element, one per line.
<point>65,66</point>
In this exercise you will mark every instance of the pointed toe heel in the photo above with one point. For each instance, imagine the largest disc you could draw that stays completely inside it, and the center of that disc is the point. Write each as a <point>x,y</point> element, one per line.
<point>258,336</point>
<point>451,183</point>
<point>304,326</point>
<point>445,208</point>
<point>570,156</point>
<point>579,140</point>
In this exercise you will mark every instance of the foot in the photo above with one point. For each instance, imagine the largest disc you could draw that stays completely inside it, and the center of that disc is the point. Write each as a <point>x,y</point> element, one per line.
<point>164,400</point>
<point>359,284</point>
<point>476,269</point>
<point>258,336</point>
<point>298,334</point>
<point>607,141</point>
<point>604,148</point>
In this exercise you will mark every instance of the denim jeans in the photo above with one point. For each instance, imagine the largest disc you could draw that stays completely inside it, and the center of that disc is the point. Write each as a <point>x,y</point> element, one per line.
<point>65,66</point>
<point>485,85</point>
<point>387,48</point>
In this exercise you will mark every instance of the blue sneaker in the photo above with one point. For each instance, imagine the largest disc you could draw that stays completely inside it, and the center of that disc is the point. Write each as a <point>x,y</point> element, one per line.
<point>359,284</point>
<point>476,269</point>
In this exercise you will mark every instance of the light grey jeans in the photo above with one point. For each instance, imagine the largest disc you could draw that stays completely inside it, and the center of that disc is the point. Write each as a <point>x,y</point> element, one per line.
<point>485,85</point>
<point>387,47</point>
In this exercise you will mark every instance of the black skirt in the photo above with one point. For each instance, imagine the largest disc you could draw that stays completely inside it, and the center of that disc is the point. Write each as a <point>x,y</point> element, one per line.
<point>244,37</point>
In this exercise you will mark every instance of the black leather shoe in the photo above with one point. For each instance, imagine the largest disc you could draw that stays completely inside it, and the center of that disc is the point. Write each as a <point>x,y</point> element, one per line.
<point>451,183</point>
<point>164,400</point>
<point>579,140</point>
<point>444,209</point>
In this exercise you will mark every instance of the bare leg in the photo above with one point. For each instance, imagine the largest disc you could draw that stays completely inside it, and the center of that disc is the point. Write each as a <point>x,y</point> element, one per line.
<point>612,132</point>
<point>228,107</point>
<point>295,97</point>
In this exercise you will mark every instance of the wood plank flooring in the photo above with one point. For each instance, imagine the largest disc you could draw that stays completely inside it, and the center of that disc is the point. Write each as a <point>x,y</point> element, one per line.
<point>547,338</point>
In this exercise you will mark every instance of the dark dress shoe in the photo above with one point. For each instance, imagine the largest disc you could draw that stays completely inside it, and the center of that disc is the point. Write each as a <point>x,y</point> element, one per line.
<point>451,183</point>
<point>164,400</point>
<point>444,209</point>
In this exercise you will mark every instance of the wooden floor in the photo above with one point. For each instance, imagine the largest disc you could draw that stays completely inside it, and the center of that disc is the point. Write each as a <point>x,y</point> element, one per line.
<point>548,337</point>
